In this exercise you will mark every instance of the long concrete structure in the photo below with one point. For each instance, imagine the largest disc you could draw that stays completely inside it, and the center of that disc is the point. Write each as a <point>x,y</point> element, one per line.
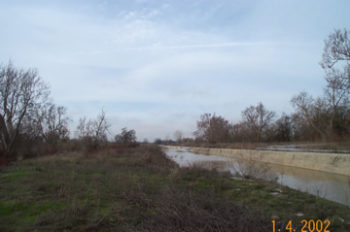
<point>326,162</point>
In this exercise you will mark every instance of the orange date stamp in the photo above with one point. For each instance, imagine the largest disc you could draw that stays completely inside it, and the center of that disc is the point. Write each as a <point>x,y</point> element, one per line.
<point>304,225</point>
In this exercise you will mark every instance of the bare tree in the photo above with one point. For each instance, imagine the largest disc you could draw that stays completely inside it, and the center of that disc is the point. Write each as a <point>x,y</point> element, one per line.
<point>82,128</point>
<point>94,132</point>
<point>239,132</point>
<point>21,91</point>
<point>312,111</point>
<point>100,127</point>
<point>336,64</point>
<point>329,115</point>
<point>336,49</point>
<point>202,127</point>
<point>97,128</point>
<point>258,120</point>
<point>283,128</point>
<point>213,129</point>
<point>126,137</point>
<point>55,124</point>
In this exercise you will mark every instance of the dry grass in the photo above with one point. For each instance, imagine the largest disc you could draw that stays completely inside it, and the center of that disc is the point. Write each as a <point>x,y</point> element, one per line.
<point>139,189</point>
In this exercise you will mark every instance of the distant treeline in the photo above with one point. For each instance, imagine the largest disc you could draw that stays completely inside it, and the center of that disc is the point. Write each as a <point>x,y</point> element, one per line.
<point>324,118</point>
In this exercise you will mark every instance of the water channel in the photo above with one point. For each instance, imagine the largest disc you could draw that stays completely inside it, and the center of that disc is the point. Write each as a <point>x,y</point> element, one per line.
<point>327,185</point>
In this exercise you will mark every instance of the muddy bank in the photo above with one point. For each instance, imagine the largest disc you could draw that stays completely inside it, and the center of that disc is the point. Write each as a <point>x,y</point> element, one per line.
<point>326,162</point>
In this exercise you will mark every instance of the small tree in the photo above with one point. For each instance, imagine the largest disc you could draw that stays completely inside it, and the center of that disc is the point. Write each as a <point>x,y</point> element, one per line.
<point>94,132</point>
<point>55,124</point>
<point>283,128</point>
<point>258,121</point>
<point>213,129</point>
<point>126,137</point>
<point>312,111</point>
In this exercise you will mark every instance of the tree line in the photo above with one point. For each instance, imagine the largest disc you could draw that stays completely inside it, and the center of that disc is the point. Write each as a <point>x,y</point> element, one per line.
<point>321,118</point>
<point>31,124</point>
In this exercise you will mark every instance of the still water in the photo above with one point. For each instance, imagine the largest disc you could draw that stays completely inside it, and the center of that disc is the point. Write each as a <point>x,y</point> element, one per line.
<point>330,186</point>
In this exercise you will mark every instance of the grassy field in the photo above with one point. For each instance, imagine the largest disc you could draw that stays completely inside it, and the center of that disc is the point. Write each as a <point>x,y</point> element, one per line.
<point>139,189</point>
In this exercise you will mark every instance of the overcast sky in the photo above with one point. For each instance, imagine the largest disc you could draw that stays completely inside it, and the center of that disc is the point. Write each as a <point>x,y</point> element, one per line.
<point>156,66</point>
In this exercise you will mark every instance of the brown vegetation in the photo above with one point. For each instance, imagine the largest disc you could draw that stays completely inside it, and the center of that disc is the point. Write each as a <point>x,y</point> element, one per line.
<point>140,189</point>
<point>130,189</point>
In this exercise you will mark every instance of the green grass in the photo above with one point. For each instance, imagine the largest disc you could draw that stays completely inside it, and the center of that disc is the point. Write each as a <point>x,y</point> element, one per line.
<point>139,189</point>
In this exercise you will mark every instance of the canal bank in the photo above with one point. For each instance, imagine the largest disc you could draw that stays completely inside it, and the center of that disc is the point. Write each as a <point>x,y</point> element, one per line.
<point>325,162</point>
<point>326,185</point>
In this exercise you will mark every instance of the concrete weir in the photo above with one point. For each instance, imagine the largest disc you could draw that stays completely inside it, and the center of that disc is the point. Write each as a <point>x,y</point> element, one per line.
<point>325,162</point>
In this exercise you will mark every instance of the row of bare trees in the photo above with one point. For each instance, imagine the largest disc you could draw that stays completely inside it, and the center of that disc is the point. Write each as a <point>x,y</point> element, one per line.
<point>256,126</point>
<point>324,118</point>
<point>31,125</point>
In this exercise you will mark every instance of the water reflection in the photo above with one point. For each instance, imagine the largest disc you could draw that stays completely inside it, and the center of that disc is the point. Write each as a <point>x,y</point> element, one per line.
<point>330,186</point>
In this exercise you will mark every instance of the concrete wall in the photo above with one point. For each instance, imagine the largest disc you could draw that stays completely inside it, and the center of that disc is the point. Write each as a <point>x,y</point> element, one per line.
<point>326,162</point>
